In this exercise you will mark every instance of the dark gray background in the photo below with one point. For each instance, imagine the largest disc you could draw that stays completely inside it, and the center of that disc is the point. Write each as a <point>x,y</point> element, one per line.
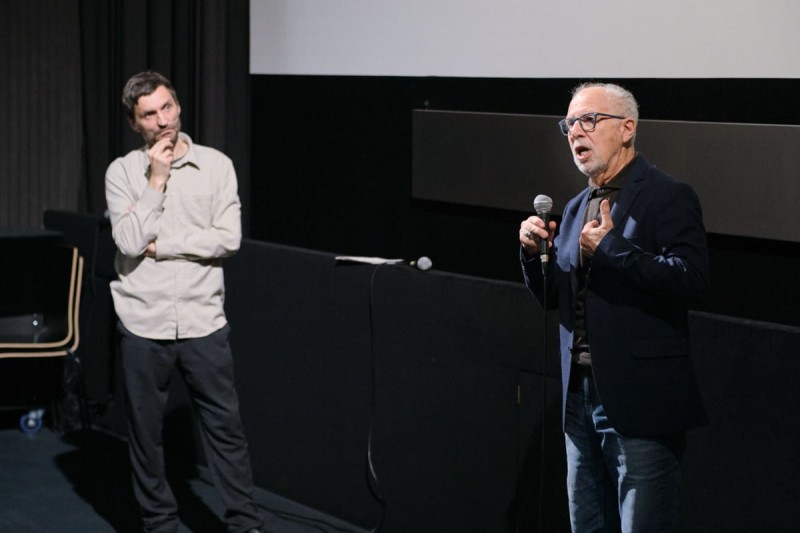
<point>746,175</point>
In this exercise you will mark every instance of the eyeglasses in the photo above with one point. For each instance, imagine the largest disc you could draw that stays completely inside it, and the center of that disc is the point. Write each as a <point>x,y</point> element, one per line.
<point>588,122</point>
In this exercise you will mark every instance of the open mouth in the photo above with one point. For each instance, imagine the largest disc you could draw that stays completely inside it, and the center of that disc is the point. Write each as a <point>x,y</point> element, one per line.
<point>581,152</point>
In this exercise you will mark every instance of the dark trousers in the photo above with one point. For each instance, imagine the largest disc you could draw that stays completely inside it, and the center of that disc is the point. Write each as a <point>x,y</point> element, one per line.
<point>206,366</point>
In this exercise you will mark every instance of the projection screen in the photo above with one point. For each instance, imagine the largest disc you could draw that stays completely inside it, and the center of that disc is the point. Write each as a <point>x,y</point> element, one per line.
<point>526,38</point>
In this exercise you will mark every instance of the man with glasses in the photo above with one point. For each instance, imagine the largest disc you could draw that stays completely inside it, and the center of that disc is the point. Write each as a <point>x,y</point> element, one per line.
<point>627,260</point>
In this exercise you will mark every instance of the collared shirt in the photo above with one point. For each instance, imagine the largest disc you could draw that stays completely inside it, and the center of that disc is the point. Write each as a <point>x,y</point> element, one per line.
<point>195,223</point>
<point>608,191</point>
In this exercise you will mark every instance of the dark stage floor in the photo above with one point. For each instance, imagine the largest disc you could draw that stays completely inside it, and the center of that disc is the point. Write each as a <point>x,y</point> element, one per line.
<point>79,482</point>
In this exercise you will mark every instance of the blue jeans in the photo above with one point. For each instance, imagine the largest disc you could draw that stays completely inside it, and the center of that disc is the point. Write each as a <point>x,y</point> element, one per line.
<point>616,483</point>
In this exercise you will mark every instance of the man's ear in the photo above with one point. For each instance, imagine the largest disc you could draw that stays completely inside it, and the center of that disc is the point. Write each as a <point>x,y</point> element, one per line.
<point>629,129</point>
<point>132,123</point>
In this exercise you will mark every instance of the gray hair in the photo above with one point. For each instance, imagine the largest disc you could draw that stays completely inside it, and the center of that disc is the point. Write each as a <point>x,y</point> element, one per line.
<point>628,105</point>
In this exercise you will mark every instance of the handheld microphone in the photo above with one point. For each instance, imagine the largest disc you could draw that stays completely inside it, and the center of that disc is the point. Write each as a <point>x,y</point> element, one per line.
<point>542,205</point>
<point>423,263</point>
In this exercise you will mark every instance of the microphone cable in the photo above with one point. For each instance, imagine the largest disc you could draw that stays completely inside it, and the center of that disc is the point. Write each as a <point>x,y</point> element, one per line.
<point>372,479</point>
<point>542,204</point>
<point>544,400</point>
<point>423,264</point>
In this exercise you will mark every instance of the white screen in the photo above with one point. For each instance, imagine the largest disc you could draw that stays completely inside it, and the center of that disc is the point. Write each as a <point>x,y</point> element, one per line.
<point>527,38</point>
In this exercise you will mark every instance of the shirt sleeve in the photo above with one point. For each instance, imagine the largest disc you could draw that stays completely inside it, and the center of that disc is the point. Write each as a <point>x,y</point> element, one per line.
<point>133,208</point>
<point>222,237</point>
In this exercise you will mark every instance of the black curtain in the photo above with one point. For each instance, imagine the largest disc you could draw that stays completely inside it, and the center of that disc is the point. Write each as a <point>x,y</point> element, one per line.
<point>63,65</point>
<point>40,129</point>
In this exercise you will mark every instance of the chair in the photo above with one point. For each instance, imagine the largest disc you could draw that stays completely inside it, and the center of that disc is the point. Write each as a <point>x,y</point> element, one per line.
<point>39,311</point>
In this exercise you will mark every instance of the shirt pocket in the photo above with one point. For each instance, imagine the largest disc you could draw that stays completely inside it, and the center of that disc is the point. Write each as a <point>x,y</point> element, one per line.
<point>195,210</point>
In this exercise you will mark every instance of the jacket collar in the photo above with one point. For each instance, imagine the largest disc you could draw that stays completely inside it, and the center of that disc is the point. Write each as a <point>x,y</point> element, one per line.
<point>623,203</point>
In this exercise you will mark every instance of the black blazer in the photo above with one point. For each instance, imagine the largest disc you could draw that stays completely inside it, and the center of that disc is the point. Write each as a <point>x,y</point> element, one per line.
<point>644,274</point>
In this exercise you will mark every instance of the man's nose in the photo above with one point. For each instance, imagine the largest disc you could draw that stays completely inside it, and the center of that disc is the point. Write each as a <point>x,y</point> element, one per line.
<point>575,129</point>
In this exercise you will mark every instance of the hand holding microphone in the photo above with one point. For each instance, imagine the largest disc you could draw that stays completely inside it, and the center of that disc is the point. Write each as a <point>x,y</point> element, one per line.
<point>536,231</point>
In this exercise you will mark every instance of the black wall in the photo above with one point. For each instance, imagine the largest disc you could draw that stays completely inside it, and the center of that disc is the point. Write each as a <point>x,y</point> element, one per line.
<point>435,379</point>
<point>438,379</point>
<point>331,166</point>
